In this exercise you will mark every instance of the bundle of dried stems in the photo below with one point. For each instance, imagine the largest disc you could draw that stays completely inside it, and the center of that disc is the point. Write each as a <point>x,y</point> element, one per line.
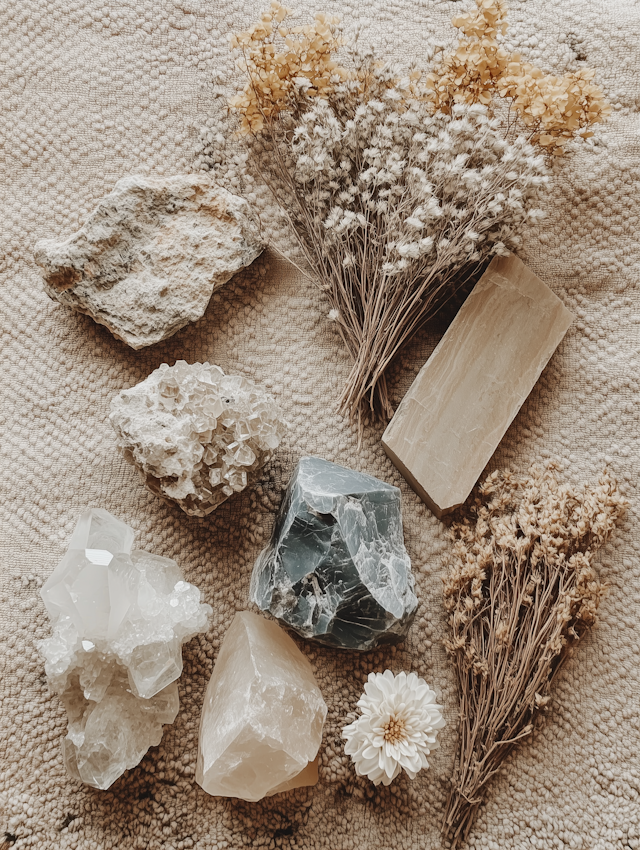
<point>398,186</point>
<point>394,211</point>
<point>520,594</point>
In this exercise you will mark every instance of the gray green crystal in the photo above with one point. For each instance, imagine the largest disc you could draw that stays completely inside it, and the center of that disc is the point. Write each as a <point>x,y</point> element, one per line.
<point>336,569</point>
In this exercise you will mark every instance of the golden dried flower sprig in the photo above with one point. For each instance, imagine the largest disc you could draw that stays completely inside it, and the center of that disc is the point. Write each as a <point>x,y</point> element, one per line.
<point>468,74</point>
<point>305,59</point>
<point>520,593</point>
<point>555,108</point>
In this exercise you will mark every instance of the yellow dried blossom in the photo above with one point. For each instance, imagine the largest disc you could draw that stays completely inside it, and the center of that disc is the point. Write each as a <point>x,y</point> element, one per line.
<point>557,108</point>
<point>554,108</point>
<point>468,74</point>
<point>282,61</point>
<point>304,60</point>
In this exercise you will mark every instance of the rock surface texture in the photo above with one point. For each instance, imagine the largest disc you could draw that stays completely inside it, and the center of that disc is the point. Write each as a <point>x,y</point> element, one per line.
<point>195,434</point>
<point>336,569</point>
<point>148,259</point>
<point>467,394</point>
<point>262,717</point>
<point>119,621</point>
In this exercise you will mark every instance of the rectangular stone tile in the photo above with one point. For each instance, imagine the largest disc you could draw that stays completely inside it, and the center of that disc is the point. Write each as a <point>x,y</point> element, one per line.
<point>466,395</point>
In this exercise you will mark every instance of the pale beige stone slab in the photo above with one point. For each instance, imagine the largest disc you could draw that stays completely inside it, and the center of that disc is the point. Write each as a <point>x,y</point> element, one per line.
<point>466,395</point>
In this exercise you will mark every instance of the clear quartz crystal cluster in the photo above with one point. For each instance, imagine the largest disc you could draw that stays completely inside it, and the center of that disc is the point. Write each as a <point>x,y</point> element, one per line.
<point>262,716</point>
<point>195,434</point>
<point>336,569</point>
<point>119,619</point>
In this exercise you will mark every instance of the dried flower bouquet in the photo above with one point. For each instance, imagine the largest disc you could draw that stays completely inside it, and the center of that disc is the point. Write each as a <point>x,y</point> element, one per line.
<point>398,188</point>
<point>521,593</point>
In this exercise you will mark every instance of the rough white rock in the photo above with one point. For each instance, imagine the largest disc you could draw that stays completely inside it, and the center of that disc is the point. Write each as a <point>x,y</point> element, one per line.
<point>119,621</point>
<point>149,257</point>
<point>262,716</point>
<point>196,435</point>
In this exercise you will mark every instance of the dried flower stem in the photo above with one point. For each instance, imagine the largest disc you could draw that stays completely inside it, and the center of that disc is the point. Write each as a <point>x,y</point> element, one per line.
<point>520,594</point>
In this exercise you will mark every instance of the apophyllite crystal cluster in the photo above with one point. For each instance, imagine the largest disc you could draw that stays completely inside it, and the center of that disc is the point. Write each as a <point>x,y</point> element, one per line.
<point>119,619</point>
<point>195,434</point>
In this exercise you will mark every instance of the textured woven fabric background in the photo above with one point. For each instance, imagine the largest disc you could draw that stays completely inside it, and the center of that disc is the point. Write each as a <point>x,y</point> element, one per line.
<point>95,89</point>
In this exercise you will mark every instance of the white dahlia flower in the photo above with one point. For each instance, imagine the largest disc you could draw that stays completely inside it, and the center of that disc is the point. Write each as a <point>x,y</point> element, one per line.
<point>398,727</point>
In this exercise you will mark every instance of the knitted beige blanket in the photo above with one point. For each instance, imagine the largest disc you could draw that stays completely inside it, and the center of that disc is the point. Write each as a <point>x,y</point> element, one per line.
<point>93,90</point>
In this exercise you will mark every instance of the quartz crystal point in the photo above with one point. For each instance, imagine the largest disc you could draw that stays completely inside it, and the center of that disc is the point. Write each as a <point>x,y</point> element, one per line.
<point>149,257</point>
<point>196,435</point>
<point>336,569</point>
<point>468,392</point>
<point>262,716</point>
<point>119,619</point>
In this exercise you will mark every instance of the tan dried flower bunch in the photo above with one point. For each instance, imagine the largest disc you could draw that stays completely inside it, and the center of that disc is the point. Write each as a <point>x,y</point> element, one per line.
<point>554,108</point>
<point>520,593</point>
<point>306,58</point>
<point>468,75</point>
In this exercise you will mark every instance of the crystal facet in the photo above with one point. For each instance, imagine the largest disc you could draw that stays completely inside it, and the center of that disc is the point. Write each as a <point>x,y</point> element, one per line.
<point>336,569</point>
<point>262,716</point>
<point>195,434</point>
<point>119,618</point>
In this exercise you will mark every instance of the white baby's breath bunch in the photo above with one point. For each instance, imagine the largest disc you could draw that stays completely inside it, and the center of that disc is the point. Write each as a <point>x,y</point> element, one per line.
<point>394,204</point>
<point>395,207</point>
<point>397,729</point>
